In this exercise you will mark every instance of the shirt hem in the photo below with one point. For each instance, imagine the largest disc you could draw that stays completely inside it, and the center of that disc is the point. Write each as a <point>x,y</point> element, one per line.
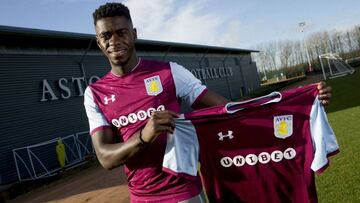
<point>191,192</point>
<point>183,175</point>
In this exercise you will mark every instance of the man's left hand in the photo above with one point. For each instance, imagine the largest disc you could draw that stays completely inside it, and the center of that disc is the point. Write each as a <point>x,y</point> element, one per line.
<point>324,93</point>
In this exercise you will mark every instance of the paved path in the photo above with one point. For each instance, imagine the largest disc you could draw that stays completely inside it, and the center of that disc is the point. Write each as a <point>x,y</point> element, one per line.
<point>93,184</point>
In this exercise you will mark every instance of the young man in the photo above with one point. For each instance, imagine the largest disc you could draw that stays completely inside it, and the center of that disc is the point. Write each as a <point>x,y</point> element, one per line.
<point>137,102</point>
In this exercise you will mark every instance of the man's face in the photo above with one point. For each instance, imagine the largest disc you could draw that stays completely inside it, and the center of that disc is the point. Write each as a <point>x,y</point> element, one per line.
<point>116,38</point>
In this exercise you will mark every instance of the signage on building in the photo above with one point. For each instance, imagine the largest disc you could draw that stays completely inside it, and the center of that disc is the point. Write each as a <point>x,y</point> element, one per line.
<point>63,87</point>
<point>212,73</point>
<point>79,83</point>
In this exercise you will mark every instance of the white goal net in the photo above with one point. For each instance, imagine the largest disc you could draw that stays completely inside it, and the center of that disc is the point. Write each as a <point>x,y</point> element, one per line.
<point>333,66</point>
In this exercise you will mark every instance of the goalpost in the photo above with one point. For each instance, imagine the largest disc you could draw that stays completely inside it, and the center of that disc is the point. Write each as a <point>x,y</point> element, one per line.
<point>334,66</point>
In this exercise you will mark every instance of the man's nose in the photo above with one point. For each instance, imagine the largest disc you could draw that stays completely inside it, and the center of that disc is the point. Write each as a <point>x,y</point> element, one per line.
<point>115,38</point>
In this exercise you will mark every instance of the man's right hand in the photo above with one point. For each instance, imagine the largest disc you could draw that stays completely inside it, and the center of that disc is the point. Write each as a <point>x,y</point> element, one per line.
<point>111,154</point>
<point>159,122</point>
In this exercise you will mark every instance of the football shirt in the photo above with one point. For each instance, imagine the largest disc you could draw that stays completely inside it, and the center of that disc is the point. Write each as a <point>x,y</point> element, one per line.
<point>263,150</point>
<point>125,103</point>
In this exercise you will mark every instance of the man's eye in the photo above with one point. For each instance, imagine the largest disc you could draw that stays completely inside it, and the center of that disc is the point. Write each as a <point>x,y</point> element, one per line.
<point>105,36</point>
<point>123,32</point>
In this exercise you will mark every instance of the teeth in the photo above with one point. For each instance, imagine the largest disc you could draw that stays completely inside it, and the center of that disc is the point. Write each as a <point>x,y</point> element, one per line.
<point>118,51</point>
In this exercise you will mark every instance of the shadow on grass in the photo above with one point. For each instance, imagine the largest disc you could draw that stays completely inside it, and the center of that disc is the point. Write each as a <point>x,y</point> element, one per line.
<point>346,92</point>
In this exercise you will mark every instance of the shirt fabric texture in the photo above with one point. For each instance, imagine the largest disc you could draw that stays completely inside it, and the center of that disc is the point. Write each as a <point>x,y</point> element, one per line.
<point>262,150</point>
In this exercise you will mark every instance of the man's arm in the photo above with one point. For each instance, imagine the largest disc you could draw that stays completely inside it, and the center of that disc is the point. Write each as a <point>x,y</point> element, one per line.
<point>112,155</point>
<point>210,99</point>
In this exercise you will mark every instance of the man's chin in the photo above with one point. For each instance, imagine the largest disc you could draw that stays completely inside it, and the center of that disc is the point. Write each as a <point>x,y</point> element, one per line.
<point>120,61</point>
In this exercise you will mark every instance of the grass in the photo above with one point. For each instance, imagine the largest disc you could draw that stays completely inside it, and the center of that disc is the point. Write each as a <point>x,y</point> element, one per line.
<point>341,181</point>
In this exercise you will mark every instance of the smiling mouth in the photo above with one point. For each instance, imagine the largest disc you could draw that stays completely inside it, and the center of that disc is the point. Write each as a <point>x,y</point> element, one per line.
<point>118,52</point>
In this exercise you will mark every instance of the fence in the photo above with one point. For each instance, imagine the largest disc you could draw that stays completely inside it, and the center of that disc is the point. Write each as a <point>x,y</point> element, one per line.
<point>41,160</point>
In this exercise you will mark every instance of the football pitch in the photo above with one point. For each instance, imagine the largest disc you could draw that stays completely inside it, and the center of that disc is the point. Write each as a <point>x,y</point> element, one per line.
<point>341,181</point>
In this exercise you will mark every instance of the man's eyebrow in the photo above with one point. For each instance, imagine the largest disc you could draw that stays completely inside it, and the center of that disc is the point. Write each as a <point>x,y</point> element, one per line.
<point>121,29</point>
<point>103,32</point>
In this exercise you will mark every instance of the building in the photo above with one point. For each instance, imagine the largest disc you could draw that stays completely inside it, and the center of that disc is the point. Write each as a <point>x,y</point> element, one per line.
<point>43,78</point>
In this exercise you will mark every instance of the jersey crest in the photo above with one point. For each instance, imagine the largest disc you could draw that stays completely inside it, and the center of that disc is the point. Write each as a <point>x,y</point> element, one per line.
<point>283,126</point>
<point>153,85</point>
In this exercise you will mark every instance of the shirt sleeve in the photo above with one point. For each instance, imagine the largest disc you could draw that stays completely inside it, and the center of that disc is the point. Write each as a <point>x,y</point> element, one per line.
<point>96,118</point>
<point>323,137</point>
<point>182,150</point>
<point>188,87</point>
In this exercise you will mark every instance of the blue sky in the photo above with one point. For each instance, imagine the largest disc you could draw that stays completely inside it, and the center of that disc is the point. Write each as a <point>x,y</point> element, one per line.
<point>230,23</point>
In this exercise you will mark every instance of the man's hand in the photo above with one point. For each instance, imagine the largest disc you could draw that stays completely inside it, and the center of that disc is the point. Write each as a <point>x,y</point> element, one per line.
<point>159,122</point>
<point>324,93</point>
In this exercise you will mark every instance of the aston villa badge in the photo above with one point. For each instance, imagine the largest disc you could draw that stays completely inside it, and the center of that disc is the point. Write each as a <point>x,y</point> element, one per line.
<point>153,85</point>
<point>283,126</point>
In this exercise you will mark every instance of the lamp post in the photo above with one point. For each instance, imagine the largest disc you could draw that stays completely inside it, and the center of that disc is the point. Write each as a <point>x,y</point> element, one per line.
<point>302,27</point>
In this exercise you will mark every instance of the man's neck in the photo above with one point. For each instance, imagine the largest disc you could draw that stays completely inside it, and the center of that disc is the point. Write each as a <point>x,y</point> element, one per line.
<point>125,68</point>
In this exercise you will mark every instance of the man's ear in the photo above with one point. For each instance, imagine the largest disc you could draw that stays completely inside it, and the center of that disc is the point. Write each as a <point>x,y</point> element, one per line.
<point>135,33</point>
<point>98,41</point>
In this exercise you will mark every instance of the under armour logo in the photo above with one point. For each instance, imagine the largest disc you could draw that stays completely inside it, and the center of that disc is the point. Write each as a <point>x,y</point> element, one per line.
<point>229,135</point>
<point>112,99</point>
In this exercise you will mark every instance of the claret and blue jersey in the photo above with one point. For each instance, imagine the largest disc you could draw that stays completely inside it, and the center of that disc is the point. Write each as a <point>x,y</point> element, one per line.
<point>266,150</point>
<point>255,152</point>
<point>125,103</point>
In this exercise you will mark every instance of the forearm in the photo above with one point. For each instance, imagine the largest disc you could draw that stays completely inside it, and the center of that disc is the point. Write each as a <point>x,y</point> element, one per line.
<point>112,155</point>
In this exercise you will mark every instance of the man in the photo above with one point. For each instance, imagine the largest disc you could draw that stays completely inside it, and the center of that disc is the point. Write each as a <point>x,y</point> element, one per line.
<point>137,102</point>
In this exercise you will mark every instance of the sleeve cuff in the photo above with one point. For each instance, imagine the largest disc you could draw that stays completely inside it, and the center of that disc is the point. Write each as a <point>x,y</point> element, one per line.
<point>198,99</point>
<point>322,169</point>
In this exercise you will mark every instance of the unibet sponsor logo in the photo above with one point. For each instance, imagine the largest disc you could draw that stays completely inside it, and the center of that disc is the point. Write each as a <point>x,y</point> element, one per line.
<point>262,158</point>
<point>134,117</point>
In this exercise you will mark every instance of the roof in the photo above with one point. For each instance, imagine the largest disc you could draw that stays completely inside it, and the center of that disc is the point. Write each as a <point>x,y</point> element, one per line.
<point>30,38</point>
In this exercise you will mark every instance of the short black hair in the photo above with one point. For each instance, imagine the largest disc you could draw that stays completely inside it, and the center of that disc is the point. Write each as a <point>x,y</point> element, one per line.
<point>111,10</point>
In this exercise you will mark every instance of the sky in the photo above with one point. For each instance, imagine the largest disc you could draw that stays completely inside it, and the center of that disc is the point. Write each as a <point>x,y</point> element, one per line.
<point>227,23</point>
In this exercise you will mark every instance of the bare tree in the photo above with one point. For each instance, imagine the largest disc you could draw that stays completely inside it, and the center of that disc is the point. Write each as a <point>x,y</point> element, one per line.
<point>297,53</point>
<point>318,44</point>
<point>285,52</point>
<point>348,42</point>
<point>261,59</point>
<point>272,52</point>
<point>274,56</point>
<point>356,36</point>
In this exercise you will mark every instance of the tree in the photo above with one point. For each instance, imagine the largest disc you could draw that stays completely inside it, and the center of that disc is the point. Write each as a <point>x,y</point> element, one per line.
<point>274,57</point>
<point>285,52</point>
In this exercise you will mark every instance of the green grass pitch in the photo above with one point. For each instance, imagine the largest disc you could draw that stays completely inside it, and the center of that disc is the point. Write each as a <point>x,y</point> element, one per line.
<point>341,181</point>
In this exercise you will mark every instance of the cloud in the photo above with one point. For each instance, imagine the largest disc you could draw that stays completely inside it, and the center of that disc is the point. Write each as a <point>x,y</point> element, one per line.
<point>184,21</point>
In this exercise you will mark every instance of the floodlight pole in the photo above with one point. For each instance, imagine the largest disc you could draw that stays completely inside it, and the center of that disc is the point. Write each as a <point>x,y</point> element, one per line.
<point>302,27</point>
